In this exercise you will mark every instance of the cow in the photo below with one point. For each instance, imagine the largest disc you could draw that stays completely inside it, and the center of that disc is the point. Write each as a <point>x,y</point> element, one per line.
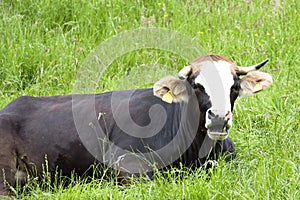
<point>180,121</point>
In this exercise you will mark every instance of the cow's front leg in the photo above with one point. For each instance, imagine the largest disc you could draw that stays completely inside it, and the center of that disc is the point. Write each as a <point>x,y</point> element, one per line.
<point>223,148</point>
<point>130,166</point>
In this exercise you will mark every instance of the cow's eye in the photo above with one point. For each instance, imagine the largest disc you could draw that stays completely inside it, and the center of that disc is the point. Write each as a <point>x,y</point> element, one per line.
<point>234,90</point>
<point>199,86</point>
<point>236,86</point>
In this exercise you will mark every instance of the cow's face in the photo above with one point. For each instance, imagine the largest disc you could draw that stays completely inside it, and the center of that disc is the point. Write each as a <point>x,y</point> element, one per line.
<point>217,83</point>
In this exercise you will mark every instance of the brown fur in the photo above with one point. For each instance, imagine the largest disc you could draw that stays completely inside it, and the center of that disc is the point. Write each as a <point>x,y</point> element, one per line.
<point>195,64</point>
<point>249,81</point>
<point>170,83</point>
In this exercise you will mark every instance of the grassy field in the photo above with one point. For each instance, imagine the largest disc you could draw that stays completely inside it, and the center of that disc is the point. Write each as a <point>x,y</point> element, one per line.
<point>43,43</point>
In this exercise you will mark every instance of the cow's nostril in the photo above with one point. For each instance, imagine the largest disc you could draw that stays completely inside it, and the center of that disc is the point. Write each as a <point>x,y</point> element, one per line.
<point>210,115</point>
<point>228,115</point>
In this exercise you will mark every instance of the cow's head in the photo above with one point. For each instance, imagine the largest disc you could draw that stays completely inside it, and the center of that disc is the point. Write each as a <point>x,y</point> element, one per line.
<point>217,83</point>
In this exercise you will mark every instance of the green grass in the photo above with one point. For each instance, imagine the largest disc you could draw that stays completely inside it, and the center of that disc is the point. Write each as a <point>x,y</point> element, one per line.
<point>43,44</point>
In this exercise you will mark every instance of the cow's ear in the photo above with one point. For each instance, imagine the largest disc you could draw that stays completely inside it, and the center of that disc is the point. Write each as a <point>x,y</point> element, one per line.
<point>170,89</point>
<point>254,82</point>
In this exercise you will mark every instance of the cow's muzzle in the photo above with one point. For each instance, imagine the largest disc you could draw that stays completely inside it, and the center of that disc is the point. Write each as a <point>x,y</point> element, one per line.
<point>218,125</point>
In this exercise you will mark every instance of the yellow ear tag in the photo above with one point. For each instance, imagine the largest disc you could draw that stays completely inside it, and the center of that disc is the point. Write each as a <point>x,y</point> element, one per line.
<point>168,97</point>
<point>257,88</point>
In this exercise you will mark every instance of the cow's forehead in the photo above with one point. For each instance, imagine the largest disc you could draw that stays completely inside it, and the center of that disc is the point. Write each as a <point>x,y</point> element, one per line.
<point>217,78</point>
<point>200,63</point>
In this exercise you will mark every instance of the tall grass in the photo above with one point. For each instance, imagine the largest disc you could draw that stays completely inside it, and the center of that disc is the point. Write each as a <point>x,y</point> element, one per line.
<point>44,42</point>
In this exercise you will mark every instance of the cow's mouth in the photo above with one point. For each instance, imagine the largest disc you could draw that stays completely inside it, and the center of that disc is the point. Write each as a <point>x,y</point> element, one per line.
<point>216,135</point>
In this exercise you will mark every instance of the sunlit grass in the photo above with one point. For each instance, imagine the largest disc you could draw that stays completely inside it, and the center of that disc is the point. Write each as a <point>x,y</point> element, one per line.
<point>43,44</point>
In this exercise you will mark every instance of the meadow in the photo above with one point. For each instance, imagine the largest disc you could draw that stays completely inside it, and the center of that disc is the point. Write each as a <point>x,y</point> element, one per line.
<point>44,43</point>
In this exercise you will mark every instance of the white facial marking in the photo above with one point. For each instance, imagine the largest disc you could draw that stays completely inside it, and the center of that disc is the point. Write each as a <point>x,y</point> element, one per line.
<point>217,79</point>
